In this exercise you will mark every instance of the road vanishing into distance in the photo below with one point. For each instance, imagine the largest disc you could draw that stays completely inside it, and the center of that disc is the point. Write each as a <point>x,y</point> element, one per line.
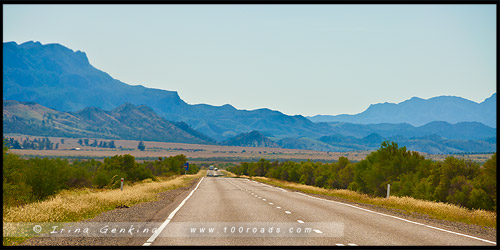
<point>238,211</point>
<point>223,211</point>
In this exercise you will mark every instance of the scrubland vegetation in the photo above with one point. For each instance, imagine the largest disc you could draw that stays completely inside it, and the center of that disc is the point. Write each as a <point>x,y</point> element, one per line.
<point>455,181</point>
<point>83,203</point>
<point>37,179</point>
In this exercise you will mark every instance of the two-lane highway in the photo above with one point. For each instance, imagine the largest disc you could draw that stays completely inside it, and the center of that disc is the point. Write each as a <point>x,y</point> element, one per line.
<point>236,211</point>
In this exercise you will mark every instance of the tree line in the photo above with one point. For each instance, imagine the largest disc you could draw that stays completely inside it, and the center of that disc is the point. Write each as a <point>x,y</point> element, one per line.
<point>46,144</point>
<point>37,144</point>
<point>101,144</point>
<point>30,180</point>
<point>456,181</point>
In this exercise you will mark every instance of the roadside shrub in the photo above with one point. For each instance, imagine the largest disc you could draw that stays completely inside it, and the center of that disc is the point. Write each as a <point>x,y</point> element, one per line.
<point>457,181</point>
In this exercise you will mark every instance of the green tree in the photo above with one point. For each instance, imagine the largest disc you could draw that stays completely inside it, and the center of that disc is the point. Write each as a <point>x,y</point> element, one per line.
<point>141,146</point>
<point>45,176</point>
<point>15,190</point>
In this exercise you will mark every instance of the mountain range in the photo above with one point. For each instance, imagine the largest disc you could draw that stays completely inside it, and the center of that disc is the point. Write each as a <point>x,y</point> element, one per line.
<point>124,122</point>
<point>59,79</point>
<point>418,112</point>
<point>133,122</point>
<point>433,144</point>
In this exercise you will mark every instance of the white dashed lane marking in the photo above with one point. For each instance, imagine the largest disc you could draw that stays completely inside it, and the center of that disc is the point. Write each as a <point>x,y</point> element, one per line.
<point>287,212</point>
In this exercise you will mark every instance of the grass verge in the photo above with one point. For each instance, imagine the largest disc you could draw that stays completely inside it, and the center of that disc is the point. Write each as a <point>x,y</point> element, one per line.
<point>80,204</point>
<point>227,173</point>
<point>409,205</point>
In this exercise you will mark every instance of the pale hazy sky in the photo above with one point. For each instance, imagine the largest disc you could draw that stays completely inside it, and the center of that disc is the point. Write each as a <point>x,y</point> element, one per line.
<point>298,59</point>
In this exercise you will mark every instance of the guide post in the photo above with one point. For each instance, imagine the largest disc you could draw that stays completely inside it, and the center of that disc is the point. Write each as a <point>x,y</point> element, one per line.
<point>186,167</point>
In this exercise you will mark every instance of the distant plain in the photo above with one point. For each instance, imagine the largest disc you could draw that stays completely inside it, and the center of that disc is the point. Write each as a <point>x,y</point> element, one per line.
<point>199,152</point>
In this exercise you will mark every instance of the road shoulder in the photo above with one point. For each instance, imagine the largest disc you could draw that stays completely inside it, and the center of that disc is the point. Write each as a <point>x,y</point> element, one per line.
<point>154,211</point>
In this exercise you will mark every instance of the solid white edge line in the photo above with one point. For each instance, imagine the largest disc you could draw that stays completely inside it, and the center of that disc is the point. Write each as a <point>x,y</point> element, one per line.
<point>338,244</point>
<point>395,217</point>
<point>351,244</point>
<point>169,218</point>
<point>272,186</point>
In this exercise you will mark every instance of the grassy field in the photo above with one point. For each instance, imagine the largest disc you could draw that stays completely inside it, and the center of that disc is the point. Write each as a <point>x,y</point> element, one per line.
<point>79,204</point>
<point>436,210</point>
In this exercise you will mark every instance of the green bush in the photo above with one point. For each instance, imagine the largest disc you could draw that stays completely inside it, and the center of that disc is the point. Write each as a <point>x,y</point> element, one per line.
<point>26,181</point>
<point>453,180</point>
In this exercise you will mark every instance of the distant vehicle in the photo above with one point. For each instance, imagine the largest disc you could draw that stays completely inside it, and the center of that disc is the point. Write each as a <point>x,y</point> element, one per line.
<point>216,169</point>
<point>211,167</point>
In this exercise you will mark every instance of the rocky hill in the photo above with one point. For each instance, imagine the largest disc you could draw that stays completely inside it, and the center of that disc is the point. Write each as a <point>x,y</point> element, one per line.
<point>124,122</point>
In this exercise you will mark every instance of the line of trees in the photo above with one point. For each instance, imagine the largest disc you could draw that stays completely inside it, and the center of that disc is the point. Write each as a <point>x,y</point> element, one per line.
<point>31,180</point>
<point>456,181</point>
<point>39,144</point>
<point>100,144</point>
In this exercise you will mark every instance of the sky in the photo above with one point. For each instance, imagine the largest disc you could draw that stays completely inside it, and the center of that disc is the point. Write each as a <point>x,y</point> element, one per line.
<point>298,59</point>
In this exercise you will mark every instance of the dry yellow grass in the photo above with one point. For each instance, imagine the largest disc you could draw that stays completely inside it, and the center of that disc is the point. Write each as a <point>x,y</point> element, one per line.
<point>437,210</point>
<point>79,204</point>
<point>227,173</point>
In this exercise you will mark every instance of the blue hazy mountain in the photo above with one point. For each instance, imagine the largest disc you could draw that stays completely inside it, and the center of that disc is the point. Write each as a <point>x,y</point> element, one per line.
<point>61,79</point>
<point>418,112</point>
<point>251,139</point>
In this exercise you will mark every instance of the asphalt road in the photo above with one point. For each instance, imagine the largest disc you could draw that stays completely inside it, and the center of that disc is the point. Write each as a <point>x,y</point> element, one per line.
<point>235,211</point>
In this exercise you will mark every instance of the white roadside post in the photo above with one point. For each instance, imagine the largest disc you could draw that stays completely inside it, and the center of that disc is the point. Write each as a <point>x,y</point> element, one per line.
<point>388,190</point>
<point>121,187</point>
